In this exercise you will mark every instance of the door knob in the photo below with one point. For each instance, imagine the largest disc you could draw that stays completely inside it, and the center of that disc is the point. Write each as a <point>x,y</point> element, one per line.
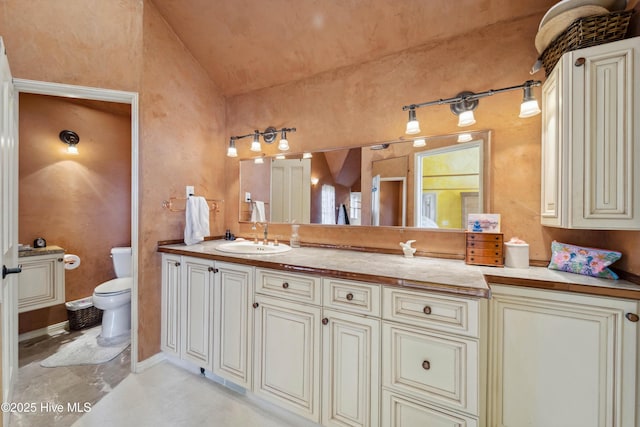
<point>6,271</point>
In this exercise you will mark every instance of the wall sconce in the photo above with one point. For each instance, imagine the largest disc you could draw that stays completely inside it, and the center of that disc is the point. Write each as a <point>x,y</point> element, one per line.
<point>72,139</point>
<point>464,103</point>
<point>269,136</point>
<point>314,181</point>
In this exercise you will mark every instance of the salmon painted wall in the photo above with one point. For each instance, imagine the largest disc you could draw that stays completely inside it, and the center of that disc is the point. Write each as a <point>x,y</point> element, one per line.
<point>79,202</point>
<point>363,104</point>
<point>181,111</point>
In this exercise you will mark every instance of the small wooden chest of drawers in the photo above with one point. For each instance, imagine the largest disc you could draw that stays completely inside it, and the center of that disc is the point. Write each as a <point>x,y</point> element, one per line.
<point>485,249</point>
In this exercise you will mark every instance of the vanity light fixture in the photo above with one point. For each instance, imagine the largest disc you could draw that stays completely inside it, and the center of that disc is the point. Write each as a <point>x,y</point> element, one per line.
<point>314,181</point>
<point>232,151</point>
<point>269,136</point>
<point>464,103</point>
<point>72,139</point>
<point>464,137</point>
<point>419,142</point>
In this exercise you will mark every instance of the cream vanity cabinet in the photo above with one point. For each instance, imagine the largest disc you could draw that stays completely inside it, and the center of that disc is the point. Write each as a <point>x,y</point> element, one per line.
<point>561,359</point>
<point>187,314</point>
<point>350,353</point>
<point>233,322</point>
<point>41,283</point>
<point>287,341</point>
<point>590,139</point>
<point>431,359</point>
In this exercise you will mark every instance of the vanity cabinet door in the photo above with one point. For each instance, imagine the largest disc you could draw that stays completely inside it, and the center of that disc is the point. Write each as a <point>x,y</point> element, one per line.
<point>590,135</point>
<point>197,314</point>
<point>233,317</point>
<point>41,283</point>
<point>170,312</point>
<point>401,411</point>
<point>287,355</point>
<point>350,370</point>
<point>560,359</point>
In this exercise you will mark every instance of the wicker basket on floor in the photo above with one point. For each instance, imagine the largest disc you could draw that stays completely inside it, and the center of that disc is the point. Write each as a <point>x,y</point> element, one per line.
<point>83,314</point>
<point>585,32</point>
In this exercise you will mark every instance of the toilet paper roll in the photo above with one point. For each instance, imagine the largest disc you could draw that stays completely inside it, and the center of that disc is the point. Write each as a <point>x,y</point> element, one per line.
<point>71,261</point>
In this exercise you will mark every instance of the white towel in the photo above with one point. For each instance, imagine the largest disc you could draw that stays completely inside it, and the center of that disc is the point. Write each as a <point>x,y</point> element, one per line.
<point>196,220</point>
<point>258,215</point>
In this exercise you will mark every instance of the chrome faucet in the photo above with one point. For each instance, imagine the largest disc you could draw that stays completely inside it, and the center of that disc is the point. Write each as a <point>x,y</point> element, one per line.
<point>265,227</point>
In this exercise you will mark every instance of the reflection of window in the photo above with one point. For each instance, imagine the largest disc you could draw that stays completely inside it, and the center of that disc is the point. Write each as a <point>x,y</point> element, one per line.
<point>355,207</point>
<point>328,204</point>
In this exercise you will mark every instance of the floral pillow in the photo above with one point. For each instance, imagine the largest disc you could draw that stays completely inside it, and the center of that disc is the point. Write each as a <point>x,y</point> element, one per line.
<point>587,261</point>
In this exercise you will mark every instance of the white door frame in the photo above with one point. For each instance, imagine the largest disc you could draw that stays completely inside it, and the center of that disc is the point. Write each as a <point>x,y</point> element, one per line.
<point>98,94</point>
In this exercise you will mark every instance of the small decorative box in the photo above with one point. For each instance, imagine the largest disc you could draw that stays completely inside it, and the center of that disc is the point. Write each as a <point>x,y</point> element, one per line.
<point>485,249</point>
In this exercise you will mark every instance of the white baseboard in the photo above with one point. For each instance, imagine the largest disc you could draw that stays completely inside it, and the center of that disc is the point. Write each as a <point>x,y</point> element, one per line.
<point>149,362</point>
<point>49,330</point>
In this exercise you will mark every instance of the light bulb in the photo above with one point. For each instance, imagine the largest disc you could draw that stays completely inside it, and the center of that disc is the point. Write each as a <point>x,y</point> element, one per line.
<point>307,155</point>
<point>283,145</point>
<point>529,108</point>
<point>231,151</point>
<point>464,137</point>
<point>72,149</point>
<point>281,157</point>
<point>413,126</point>
<point>420,142</point>
<point>255,145</point>
<point>466,118</point>
<point>258,161</point>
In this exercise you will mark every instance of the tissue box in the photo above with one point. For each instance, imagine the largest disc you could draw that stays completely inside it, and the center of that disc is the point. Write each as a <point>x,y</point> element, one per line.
<point>516,255</point>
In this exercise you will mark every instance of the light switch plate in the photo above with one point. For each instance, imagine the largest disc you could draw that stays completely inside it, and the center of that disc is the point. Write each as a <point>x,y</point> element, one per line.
<point>247,197</point>
<point>189,190</point>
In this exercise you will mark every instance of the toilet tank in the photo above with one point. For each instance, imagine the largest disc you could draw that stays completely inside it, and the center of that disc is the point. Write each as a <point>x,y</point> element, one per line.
<point>121,258</point>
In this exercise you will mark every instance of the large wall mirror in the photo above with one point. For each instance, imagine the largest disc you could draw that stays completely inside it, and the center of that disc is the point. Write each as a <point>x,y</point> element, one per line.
<point>425,182</point>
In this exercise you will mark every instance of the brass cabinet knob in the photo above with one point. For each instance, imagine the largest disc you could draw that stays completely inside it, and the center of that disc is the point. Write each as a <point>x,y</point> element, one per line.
<point>325,321</point>
<point>256,305</point>
<point>632,317</point>
<point>285,285</point>
<point>349,296</point>
<point>426,309</point>
<point>426,365</point>
<point>580,62</point>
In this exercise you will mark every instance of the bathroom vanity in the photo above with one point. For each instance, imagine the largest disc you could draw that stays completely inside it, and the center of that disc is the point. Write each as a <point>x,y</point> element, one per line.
<point>41,282</point>
<point>366,339</point>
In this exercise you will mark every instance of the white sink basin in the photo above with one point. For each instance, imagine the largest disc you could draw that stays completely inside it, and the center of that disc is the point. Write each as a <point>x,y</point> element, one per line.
<point>249,248</point>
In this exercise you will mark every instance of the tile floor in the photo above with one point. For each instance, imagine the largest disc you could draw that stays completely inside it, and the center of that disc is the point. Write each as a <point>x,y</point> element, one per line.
<point>167,395</point>
<point>61,385</point>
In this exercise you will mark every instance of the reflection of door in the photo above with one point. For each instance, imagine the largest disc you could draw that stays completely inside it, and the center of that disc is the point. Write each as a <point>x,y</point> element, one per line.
<point>470,204</point>
<point>291,191</point>
<point>392,202</point>
<point>429,210</point>
<point>8,229</point>
<point>375,200</point>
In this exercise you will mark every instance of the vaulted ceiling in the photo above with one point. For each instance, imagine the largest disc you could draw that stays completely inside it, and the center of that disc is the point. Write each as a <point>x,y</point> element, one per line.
<point>251,44</point>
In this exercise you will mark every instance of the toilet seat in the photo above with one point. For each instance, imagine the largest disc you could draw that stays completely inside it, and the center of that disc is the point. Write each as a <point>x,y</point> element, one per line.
<point>117,286</point>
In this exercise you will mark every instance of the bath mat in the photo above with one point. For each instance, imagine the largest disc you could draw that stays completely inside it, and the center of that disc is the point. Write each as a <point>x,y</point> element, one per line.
<point>84,350</point>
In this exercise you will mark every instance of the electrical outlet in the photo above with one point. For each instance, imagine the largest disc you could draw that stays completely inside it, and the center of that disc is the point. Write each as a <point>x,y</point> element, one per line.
<point>247,197</point>
<point>189,191</point>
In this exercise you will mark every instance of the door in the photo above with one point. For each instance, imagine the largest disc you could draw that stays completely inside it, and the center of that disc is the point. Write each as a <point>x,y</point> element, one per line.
<point>560,359</point>
<point>286,360</point>
<point>8,228</point>
<point>291,191</point>
<point>170,322</point>
<point>375,200</point>
<point>351,366</point>
<point>232,322</point>
<point>196,311</point>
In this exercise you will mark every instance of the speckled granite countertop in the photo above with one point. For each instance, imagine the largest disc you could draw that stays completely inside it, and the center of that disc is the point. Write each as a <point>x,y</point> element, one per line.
<point>442,275</point>
<point>41,251</point>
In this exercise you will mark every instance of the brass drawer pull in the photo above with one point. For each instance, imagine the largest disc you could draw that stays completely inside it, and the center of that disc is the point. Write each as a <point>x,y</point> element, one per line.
<point>349,296</point>
<point>426,309</point>
<point>426,365</point>
<point>325,321</point>
<point>632,317</point>
<point>285,285</point>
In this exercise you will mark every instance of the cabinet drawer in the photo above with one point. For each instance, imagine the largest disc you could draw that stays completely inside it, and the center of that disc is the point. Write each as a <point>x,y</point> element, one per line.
<point>400,411</point>
<point>439,312</point>
<point>296,287</point>
<point>485,237</point>
<point>485,260</point>
<point>357,297</point>
<point>481,252</point>
<point>432,367</point>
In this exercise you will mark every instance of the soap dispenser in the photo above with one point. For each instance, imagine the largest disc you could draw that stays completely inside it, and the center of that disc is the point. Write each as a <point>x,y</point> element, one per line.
<point>294,241</point>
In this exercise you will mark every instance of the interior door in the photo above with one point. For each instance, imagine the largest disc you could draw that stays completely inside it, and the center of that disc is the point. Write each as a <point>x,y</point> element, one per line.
<point>291,191</point>
<point>375,200</point>
<point>8,228</point>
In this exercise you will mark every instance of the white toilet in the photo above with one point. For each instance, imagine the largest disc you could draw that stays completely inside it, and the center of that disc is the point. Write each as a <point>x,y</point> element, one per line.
<point>114,297</point>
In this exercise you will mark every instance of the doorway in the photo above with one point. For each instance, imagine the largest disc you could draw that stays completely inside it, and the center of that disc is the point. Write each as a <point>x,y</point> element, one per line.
<point>91,95</point>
